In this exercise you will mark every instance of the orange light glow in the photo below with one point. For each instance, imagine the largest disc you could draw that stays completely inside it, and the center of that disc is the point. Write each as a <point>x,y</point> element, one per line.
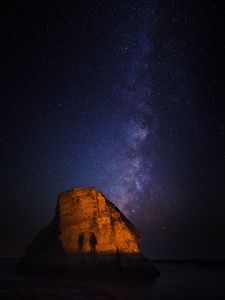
<point>89,222</point>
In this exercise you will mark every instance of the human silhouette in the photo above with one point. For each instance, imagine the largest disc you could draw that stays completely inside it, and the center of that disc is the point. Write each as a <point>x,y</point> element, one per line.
<point>118,264</point>
<point>80,241</point>
<point>93,242</point>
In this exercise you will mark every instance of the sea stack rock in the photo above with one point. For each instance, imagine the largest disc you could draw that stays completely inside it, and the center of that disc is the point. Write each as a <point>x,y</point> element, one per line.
<point>88,235</point>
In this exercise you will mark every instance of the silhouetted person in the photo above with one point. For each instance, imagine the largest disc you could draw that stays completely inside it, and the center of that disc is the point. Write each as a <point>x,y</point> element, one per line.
<point>80,241</point>
<point>93,242</point>
<point>118,264</point>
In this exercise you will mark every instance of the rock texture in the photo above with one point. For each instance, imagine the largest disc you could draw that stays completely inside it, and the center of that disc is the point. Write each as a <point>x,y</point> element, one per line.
<point>87,232</point>
<point>88,212</point>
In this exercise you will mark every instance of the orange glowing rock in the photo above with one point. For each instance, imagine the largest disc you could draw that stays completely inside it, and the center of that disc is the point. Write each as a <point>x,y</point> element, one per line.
<point>85,212</point>
<point>88,235</point>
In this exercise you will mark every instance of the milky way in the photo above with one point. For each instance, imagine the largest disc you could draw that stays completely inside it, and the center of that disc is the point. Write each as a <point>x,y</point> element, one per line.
<point>132,168</point>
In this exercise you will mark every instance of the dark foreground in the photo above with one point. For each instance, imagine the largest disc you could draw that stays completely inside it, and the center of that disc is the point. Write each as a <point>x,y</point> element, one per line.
<point>186,280</point>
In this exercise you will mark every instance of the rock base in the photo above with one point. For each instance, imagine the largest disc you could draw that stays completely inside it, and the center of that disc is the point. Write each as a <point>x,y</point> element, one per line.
<point>90,265</point>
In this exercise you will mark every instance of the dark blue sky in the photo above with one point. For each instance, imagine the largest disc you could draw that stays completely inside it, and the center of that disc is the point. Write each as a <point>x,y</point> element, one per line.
<point>126,96</point>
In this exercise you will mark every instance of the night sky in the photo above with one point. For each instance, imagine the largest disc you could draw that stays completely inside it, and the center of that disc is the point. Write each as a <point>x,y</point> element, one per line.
<point>126,96</point>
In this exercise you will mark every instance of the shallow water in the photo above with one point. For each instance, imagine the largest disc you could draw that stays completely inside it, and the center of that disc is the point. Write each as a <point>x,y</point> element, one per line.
<point>177,281</point>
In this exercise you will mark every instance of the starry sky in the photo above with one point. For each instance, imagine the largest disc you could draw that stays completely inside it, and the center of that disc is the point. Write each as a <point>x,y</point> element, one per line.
<point>126,96</point>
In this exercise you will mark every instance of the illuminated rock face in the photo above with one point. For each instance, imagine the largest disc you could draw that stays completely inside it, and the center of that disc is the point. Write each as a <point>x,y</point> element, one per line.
<point>89,222</point>
<point>88,235</point>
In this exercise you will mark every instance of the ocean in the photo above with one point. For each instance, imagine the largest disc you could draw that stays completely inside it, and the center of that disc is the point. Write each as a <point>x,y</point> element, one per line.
<point>181,281</point>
